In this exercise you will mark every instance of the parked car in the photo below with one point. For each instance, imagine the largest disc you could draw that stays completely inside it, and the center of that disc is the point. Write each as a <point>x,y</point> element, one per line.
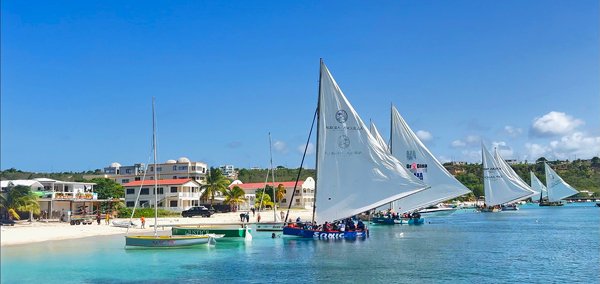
<point>197,211</point>
<point>7,222</point>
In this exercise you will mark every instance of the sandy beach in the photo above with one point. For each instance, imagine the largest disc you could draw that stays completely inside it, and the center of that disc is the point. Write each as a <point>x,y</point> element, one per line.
<point>40,231</point>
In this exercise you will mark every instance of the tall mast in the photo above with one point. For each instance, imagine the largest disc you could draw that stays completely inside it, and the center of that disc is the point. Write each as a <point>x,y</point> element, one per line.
<point>391,127</point>
<point>317,147</point>
<point>273,178</point>
<point>155,168</point>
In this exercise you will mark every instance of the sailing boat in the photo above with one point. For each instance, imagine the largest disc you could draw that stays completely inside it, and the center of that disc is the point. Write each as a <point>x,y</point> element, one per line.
<point>515,178</point>
<point>354,173</point>
<point>275,225</point>
<point>406,146</point>
<point>156,241</point>
<point>557,188</point>
<point>499,185</point>
<point>538,186</point>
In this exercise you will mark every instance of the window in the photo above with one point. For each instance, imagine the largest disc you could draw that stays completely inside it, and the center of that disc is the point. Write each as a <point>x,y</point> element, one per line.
<point>130,191</point>
<point>173,189</point>
<point>193,168</point>
<point>130,203</point>
<point>151,168</point>
<point>182,168</point>
<point>173,203</point>
<point>159,169</point>
<point>125,181</point>
<point>160,190</point>
<point>128,171</point>
<point>174,177</point>
<point>297,191</point>
<point>144,203</point>
<point>297,200</point>
<point>145,191</point>
<point>284,200</point>
<point>137,178</point>
<point>174,168</point>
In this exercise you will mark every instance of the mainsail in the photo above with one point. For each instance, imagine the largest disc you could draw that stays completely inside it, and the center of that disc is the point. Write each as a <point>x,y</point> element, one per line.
<point>378,136</point>
<point>513,176</point>
<point>498,187</point>
<point>354,173</point>
<point>557,188</point>
<point>537,185</point>
<point>408,148</point>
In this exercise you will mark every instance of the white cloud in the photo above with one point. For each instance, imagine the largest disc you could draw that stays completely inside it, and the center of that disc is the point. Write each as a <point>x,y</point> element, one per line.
<point>280,147</point>
<point>512,131</point>
<point>575,145</point>
<point>553,124</point>
<point>470,140</point>
<point>458,143</point>
<point>472,155</point>
<point>309,151</point>
<point>424,135</point>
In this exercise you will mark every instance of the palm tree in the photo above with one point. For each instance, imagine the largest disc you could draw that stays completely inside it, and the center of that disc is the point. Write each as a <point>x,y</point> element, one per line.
<point>20,198</point>
<point>280,192</point>
<point>234,197</point>
<point>215,182</point>
<point>266,200</point>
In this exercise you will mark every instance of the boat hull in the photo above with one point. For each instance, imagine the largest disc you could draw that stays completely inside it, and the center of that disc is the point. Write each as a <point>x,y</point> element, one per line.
<point>165,241</point>
<point>273,226</point>
<point>199,230</point>
<point>437,212</point>
<point>545,203</point>
<point>401,221</point>
<point>490,210</point>
<point>383,221</point>
<point>324,235</point>
<point>510,208</point>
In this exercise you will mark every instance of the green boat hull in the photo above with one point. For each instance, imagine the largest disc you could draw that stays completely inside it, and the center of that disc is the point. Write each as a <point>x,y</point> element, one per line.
<point>194,230</point>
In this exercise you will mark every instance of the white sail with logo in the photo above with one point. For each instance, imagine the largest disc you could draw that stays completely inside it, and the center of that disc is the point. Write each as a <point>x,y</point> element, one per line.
<point>557,188</point>
<point>378,136</point>
<point>408,148</point>
<point>354,173</point>
<point>498,187</point>
<point>513,176</point>
<point>537,185</point>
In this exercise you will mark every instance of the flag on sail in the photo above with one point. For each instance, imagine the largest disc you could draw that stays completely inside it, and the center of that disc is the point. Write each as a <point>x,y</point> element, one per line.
<point>498,187</point>
<point>354,173</point>
<point>557,188</point>
<point>406,146</point>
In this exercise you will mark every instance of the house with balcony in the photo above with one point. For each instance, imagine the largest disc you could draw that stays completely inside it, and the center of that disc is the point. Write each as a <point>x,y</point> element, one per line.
<point>173,194</point>
<point>304,197</point>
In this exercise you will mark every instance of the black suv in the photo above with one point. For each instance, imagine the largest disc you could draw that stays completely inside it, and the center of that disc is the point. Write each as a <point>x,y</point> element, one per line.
<point>197,211</point>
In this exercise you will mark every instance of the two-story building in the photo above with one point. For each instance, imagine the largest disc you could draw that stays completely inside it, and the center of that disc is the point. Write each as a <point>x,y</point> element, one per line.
<point>173,194</point>
<point>304,197</point>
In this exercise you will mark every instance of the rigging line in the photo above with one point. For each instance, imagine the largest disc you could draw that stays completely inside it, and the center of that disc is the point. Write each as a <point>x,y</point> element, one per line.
<point>139,191</point>
<point>301,164</point>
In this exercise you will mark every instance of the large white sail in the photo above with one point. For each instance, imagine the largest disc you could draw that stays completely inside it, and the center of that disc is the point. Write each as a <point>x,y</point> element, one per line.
<point>513,176</point>
<point>537,185</point>
<point>557,188</point>
<point>497,185</point>
<point>417,159</point>
<point>354,173</point>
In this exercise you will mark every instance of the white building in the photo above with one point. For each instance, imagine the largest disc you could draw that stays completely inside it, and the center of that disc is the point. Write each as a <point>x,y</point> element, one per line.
<point>303,198</point>
<point>173,194</point>
<point>228,171</point>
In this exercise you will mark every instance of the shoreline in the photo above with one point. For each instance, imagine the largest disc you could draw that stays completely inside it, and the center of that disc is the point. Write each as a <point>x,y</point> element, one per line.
<point>41,231</point>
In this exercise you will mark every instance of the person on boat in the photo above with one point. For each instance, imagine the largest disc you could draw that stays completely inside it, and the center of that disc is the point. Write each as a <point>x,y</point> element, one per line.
<point>143,220</point>
<point>360,226</point>
<point>298,222</point>
<point>342,227</point>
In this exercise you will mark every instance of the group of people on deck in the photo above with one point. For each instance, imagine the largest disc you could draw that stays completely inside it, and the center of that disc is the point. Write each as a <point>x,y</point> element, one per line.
<point>346,225</point>
<point>395,216</point>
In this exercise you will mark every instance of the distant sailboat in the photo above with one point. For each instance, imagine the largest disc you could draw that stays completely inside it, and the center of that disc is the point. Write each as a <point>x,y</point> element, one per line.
<point>406,146</point>
<point>556,187</point>
<point>156,241</point>
<point>511,174</point>
<point>354,173</point>
<point>499,185</point>
<point>538,186</point>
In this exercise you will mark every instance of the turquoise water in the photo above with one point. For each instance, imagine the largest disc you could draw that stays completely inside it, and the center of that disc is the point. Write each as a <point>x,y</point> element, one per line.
<point>532,245</point>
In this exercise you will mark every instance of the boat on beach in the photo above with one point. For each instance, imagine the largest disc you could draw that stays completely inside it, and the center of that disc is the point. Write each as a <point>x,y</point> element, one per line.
<point>349,160</point>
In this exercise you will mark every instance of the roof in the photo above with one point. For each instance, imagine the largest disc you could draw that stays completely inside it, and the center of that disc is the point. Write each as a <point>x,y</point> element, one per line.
<point>151,182</point>
<point>25,182</point>
<point>257,185</point>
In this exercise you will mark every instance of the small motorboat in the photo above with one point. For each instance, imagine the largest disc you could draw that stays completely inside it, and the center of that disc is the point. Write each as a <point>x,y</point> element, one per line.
<point>124,224</point>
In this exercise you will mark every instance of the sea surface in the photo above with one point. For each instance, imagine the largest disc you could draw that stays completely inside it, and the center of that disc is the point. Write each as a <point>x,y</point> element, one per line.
<point>531,245</point>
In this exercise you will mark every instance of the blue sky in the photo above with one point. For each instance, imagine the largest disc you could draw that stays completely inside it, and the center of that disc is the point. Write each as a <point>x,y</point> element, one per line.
<point>78,77</point>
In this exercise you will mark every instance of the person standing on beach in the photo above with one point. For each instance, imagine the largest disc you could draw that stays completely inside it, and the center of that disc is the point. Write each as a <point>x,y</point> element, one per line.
<point>107,218</point>
<point>253,211</point>
<point>98,217</point>
<point>143,220</point>
<point>247,217</point>
<point>258,218</point>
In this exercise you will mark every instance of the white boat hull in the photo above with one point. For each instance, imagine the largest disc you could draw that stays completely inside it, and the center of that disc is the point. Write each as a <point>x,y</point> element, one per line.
<point>165,241</point>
